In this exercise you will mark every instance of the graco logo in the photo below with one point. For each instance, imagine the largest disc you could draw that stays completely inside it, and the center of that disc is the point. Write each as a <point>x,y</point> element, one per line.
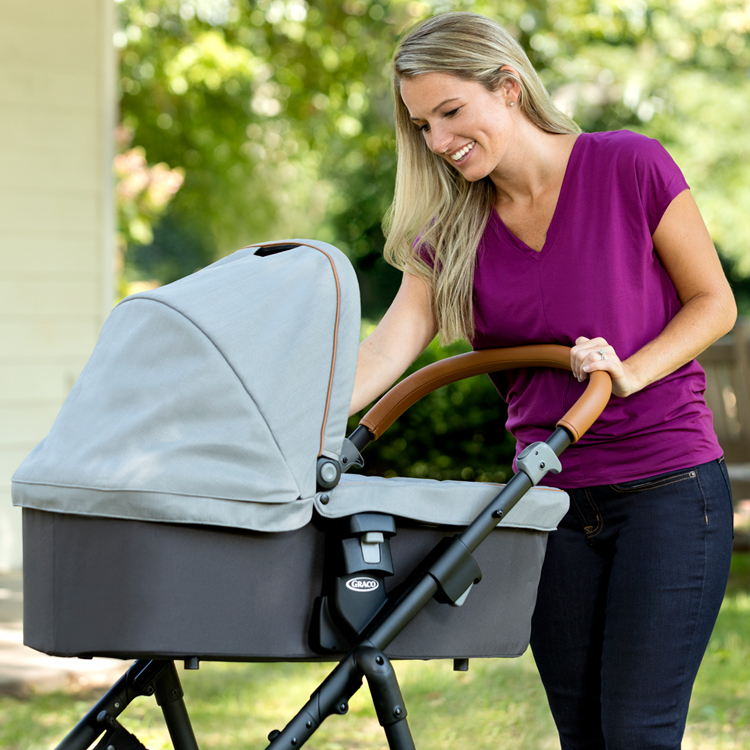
<point>362,584</point>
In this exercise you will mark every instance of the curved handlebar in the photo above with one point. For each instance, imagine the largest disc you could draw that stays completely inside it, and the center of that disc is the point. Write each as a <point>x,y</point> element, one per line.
<point>576,421</point>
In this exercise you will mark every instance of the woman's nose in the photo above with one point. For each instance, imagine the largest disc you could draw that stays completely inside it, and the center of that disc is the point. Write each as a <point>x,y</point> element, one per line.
<point>440,140</point>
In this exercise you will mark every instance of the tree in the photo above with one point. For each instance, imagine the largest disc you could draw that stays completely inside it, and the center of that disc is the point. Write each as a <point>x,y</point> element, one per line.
<point>280,114</point>
<point>276,114</point>
<point>279,111</point>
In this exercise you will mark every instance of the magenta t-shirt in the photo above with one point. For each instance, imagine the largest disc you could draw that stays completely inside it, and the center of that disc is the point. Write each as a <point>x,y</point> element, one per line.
<point>597,275</point>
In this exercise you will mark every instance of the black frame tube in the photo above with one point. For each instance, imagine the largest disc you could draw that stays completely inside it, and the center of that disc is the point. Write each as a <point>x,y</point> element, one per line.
<point>143,678</point>
<point>169,695</point>
<point>361,437</point>
<point>137,681</point>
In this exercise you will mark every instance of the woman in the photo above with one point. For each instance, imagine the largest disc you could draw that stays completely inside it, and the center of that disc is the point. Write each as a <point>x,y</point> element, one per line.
<point>512,227</point>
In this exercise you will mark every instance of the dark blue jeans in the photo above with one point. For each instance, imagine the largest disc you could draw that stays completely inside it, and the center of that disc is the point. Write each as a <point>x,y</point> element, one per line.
<point>630,591</point>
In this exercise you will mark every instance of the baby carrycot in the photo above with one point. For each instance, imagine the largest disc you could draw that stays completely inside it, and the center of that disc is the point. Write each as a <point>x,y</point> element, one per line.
<point>193,486</point>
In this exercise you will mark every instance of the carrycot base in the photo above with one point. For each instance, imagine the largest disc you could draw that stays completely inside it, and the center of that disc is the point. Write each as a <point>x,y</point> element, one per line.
<point>96,586</point>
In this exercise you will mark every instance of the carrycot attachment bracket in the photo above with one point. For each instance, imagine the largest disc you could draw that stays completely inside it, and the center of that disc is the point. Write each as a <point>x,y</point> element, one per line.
<point>350,456</point>
<point>329,470</point>
<point>455,571</point>
<point>536,460</point>
<point>358,561</point>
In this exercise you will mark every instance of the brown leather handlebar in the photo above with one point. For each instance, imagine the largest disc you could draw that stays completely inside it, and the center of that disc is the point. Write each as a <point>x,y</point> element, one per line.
<point>576,421</point>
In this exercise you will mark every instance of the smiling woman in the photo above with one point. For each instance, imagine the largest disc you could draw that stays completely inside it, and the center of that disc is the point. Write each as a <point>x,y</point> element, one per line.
<point>495,75</point>
<point>512,227</point>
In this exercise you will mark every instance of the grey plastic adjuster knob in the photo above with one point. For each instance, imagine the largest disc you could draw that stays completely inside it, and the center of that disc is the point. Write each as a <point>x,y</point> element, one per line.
<point>536,460</point>
<point>329,473</point>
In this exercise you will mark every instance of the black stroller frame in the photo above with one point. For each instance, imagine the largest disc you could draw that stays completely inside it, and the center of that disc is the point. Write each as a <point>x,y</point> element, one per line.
<point>448,575</point>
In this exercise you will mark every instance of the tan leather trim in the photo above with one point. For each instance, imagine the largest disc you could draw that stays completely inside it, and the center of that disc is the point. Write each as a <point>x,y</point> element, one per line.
<point>577,420</point>
<point>335,349</point>
<point>335,328</point>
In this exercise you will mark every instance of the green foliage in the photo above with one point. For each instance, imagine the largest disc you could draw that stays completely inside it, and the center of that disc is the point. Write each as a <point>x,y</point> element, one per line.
<point>143,192</point>
<point>279,111</point>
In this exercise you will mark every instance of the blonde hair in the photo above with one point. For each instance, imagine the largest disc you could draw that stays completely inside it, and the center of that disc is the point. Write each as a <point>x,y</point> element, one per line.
<point>434,206</point>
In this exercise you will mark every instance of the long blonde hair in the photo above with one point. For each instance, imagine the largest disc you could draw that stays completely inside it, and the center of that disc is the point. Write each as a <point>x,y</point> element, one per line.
<point>434,206</point>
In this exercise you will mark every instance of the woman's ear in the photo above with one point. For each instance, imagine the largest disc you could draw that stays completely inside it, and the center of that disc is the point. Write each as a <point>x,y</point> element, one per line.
<point>510,87</point>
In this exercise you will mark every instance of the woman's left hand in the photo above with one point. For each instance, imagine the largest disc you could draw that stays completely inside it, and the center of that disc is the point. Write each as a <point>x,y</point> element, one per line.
<point>591,355</point>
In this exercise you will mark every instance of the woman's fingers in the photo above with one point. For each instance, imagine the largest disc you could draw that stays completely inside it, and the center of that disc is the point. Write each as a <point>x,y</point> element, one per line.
<point>592,355</point>
<point>589,355</point>
<point>602,354</point>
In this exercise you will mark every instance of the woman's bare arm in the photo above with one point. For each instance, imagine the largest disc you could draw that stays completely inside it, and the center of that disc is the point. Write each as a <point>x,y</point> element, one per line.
<point>687,253</point>
<point>401,336</point>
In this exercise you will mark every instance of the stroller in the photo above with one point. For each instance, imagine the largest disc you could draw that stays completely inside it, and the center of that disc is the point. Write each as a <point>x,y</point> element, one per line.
<point>191,503</point>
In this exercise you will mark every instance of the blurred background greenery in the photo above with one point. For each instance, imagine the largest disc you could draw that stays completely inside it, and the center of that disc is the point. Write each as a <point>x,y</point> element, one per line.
<point>248,121</point>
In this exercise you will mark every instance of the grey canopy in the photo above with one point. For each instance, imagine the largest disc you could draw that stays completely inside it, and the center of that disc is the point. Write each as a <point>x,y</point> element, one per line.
<point>209,401</point>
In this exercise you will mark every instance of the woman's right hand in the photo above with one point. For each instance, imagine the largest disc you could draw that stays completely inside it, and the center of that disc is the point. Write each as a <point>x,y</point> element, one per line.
<point>401,336</point>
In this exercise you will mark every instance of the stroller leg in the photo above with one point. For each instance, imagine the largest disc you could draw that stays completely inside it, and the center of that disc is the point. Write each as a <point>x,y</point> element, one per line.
<point>111,705</point>
<point>333,695</point>
<point>386,696</point>
<point>142,679</point>
<point>168,694</point>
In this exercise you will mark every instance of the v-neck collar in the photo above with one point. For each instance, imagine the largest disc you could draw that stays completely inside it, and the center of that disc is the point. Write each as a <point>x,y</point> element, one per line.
<point>558,215</point>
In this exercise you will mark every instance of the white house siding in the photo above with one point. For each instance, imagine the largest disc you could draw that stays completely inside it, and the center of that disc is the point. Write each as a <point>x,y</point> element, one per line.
<point>57,109</point>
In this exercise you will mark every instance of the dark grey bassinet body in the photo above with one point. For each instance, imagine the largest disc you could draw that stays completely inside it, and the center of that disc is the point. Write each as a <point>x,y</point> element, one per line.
<point>134,589</point>
<point>174,509</point>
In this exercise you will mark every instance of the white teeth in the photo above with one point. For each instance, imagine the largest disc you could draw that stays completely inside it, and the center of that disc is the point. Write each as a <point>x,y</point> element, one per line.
<point>465,150</point>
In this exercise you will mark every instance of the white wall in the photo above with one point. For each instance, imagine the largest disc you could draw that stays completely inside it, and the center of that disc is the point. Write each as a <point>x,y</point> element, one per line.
<point>57,114</point>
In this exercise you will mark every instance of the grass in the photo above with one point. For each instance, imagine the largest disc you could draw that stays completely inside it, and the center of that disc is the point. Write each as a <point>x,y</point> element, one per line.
<point>720,709</point>
<point>496,703</point>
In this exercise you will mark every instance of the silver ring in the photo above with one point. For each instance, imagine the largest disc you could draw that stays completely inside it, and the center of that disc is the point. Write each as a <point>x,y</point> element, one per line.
<point>601,351</point>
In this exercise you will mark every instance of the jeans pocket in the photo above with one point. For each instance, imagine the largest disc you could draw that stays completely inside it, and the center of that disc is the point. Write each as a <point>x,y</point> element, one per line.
<point>655,482</point>
<point>725,473</point>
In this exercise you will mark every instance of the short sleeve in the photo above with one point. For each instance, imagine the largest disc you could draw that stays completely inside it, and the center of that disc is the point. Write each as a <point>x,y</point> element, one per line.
<point>659,179</point>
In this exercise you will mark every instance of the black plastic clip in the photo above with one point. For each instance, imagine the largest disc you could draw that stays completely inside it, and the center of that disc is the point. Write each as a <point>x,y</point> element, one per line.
<point>455,570</point>
<point>117,736</point>
<point>349,456</point>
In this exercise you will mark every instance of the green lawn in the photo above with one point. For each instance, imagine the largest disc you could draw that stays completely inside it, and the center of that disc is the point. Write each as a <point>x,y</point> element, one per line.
<point>496,704</point>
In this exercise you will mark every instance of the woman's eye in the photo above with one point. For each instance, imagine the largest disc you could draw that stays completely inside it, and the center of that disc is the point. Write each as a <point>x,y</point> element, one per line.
<point>453,112</point>
<point>424,128</point>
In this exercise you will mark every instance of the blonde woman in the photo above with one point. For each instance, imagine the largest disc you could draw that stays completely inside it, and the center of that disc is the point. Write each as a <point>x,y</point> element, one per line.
<point>512,227</point>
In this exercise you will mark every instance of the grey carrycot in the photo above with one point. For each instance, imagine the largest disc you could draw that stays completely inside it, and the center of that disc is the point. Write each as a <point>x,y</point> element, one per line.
<point>203,454</point>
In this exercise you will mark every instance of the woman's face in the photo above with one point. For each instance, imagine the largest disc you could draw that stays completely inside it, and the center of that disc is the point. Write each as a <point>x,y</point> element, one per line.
<point>468,126</point>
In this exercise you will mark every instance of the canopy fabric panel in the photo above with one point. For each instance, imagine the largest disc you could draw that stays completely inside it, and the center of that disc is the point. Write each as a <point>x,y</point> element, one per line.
<point>209,400</point>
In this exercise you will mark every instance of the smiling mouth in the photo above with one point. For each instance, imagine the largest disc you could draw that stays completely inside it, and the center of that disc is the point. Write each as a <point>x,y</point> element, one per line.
<point>463,152</point>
